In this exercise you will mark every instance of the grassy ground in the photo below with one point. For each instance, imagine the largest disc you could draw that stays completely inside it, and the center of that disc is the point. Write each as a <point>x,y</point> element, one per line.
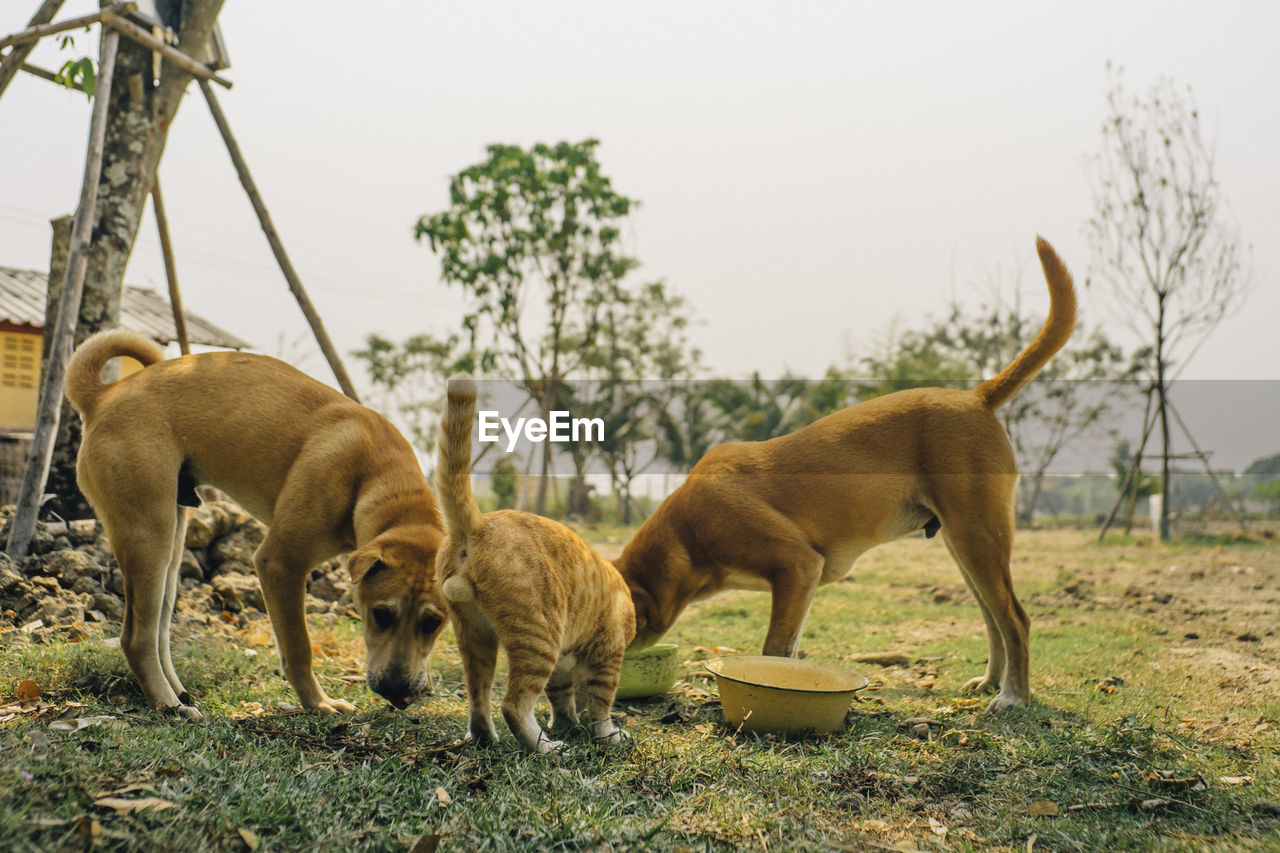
<point>1155,723</point>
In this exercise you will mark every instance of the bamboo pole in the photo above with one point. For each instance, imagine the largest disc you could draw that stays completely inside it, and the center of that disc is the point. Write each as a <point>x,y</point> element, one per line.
<point>1133,478</point>
<point>170,269</point>
<point>46,74</point>
<point>33,34</point>
<point>52,383</point>
<point>1227,503</point>
<point>186,63</point>
<point>277,247</point>
<point>15,58</point>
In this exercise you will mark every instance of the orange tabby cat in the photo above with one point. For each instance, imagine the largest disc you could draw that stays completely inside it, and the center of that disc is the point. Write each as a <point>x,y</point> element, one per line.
<point>532,586</point>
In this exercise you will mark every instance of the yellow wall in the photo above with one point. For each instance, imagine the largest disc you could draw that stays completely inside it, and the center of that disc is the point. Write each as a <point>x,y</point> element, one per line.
<point>20,379</point>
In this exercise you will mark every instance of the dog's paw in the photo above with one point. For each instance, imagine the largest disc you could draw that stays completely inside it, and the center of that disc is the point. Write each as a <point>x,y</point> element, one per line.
<point>328,705</point>
<point>186,712</point>
<point>1005,701</point>
<point>482,736</point>
<point>982,684</point>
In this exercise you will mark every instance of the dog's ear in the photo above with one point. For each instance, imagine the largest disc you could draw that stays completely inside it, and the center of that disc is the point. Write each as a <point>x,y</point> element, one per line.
<point>643,603</point>
<point>365,563</point>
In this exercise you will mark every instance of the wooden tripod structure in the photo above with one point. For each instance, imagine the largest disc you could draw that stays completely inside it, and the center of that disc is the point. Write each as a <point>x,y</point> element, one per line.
<point>1129,486</point>
<point>115,24</point>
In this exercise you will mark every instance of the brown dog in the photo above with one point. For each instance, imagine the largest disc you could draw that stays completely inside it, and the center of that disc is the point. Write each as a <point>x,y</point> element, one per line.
<point>531,586</point>
<point>324,473</point>
<point>790,514</point>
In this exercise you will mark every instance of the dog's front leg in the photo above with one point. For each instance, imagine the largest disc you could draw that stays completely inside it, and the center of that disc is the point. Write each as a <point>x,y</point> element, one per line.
<point>793,588</point>
<point>284,589</point>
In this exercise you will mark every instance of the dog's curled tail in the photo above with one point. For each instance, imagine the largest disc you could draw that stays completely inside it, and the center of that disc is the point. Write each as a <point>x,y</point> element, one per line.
<point>84,371</point>
<point>1062,319</point>
<point>462,514</point>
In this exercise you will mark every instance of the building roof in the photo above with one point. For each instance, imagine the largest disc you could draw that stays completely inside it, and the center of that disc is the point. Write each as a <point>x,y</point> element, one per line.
<point>22,301</point>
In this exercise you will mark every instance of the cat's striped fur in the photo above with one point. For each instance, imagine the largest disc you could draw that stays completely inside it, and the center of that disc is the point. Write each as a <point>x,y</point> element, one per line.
<point>531,586</point>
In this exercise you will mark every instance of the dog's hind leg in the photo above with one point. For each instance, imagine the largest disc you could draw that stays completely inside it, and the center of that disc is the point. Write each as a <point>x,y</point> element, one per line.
<point>170,598</point>
<point>793,582</point>
<point>145,555</point>
<point>990,680</point>
<point>982,553</point>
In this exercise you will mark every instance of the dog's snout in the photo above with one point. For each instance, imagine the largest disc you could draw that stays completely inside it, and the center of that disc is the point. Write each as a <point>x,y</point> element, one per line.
<point>400,691</point>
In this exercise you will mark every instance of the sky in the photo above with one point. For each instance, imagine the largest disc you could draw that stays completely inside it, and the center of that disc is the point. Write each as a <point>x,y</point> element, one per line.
<point>809,173</point>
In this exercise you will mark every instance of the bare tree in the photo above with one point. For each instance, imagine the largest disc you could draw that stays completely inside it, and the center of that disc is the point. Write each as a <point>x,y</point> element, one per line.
<point>1162,244</point>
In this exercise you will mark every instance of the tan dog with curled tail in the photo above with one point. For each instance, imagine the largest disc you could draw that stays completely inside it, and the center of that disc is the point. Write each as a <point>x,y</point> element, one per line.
<point>326,474</point>
<point>531,586</point>
<point>790,514</point>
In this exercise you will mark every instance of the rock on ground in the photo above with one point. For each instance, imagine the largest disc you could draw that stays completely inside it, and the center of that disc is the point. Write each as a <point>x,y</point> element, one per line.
<point>69,583</point>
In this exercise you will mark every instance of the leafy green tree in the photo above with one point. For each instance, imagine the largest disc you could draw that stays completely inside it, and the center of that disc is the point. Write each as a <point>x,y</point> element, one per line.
<point>533,239</point>
<point>1269,494</point>
<point>650,342</point>
<point>758,409</point>
<point>1161,243</point>
<point>409,380</point>
<point>914,358</point>
<point>504,481</point>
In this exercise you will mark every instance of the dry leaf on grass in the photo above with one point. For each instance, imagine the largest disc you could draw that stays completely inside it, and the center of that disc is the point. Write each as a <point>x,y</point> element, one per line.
<point>880,658</point>
<point>85,722</point>
<point>442,796</point>
<point>1110,684</point>
<point>28,691</point>
<point>127,789</point>
<point>88,829</point>
<point>1235,780</point>
<point>123,806</point>
<point>250,838</point>
<point>1043,808</point>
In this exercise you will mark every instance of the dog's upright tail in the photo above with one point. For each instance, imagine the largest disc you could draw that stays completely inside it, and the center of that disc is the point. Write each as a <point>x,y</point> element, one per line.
<point>1062,319</point>
<point>462,514</point>
<point>84,371</point>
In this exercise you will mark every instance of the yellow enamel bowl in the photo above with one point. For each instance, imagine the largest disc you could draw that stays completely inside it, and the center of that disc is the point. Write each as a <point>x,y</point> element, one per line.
<point>650,671</point>
<point>760,693</point>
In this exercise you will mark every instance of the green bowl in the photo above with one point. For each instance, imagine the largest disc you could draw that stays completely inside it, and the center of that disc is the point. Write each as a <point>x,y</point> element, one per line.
<point>650,671</point>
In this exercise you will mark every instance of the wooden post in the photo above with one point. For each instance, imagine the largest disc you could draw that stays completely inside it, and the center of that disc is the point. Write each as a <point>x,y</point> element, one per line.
<point>68,501</point>
<point>31,35</point>
<point>52,383</point>
<point>277,247</point>
<point>170,269</point>
<point>1227,503</point>
<point>186,63</point>
<point>1133,477</point>
<point>14,59</point>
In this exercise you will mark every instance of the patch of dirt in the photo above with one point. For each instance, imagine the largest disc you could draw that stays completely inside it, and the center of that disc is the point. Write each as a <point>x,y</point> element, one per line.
<point>1219,604</point>
<point>1210,593</point>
